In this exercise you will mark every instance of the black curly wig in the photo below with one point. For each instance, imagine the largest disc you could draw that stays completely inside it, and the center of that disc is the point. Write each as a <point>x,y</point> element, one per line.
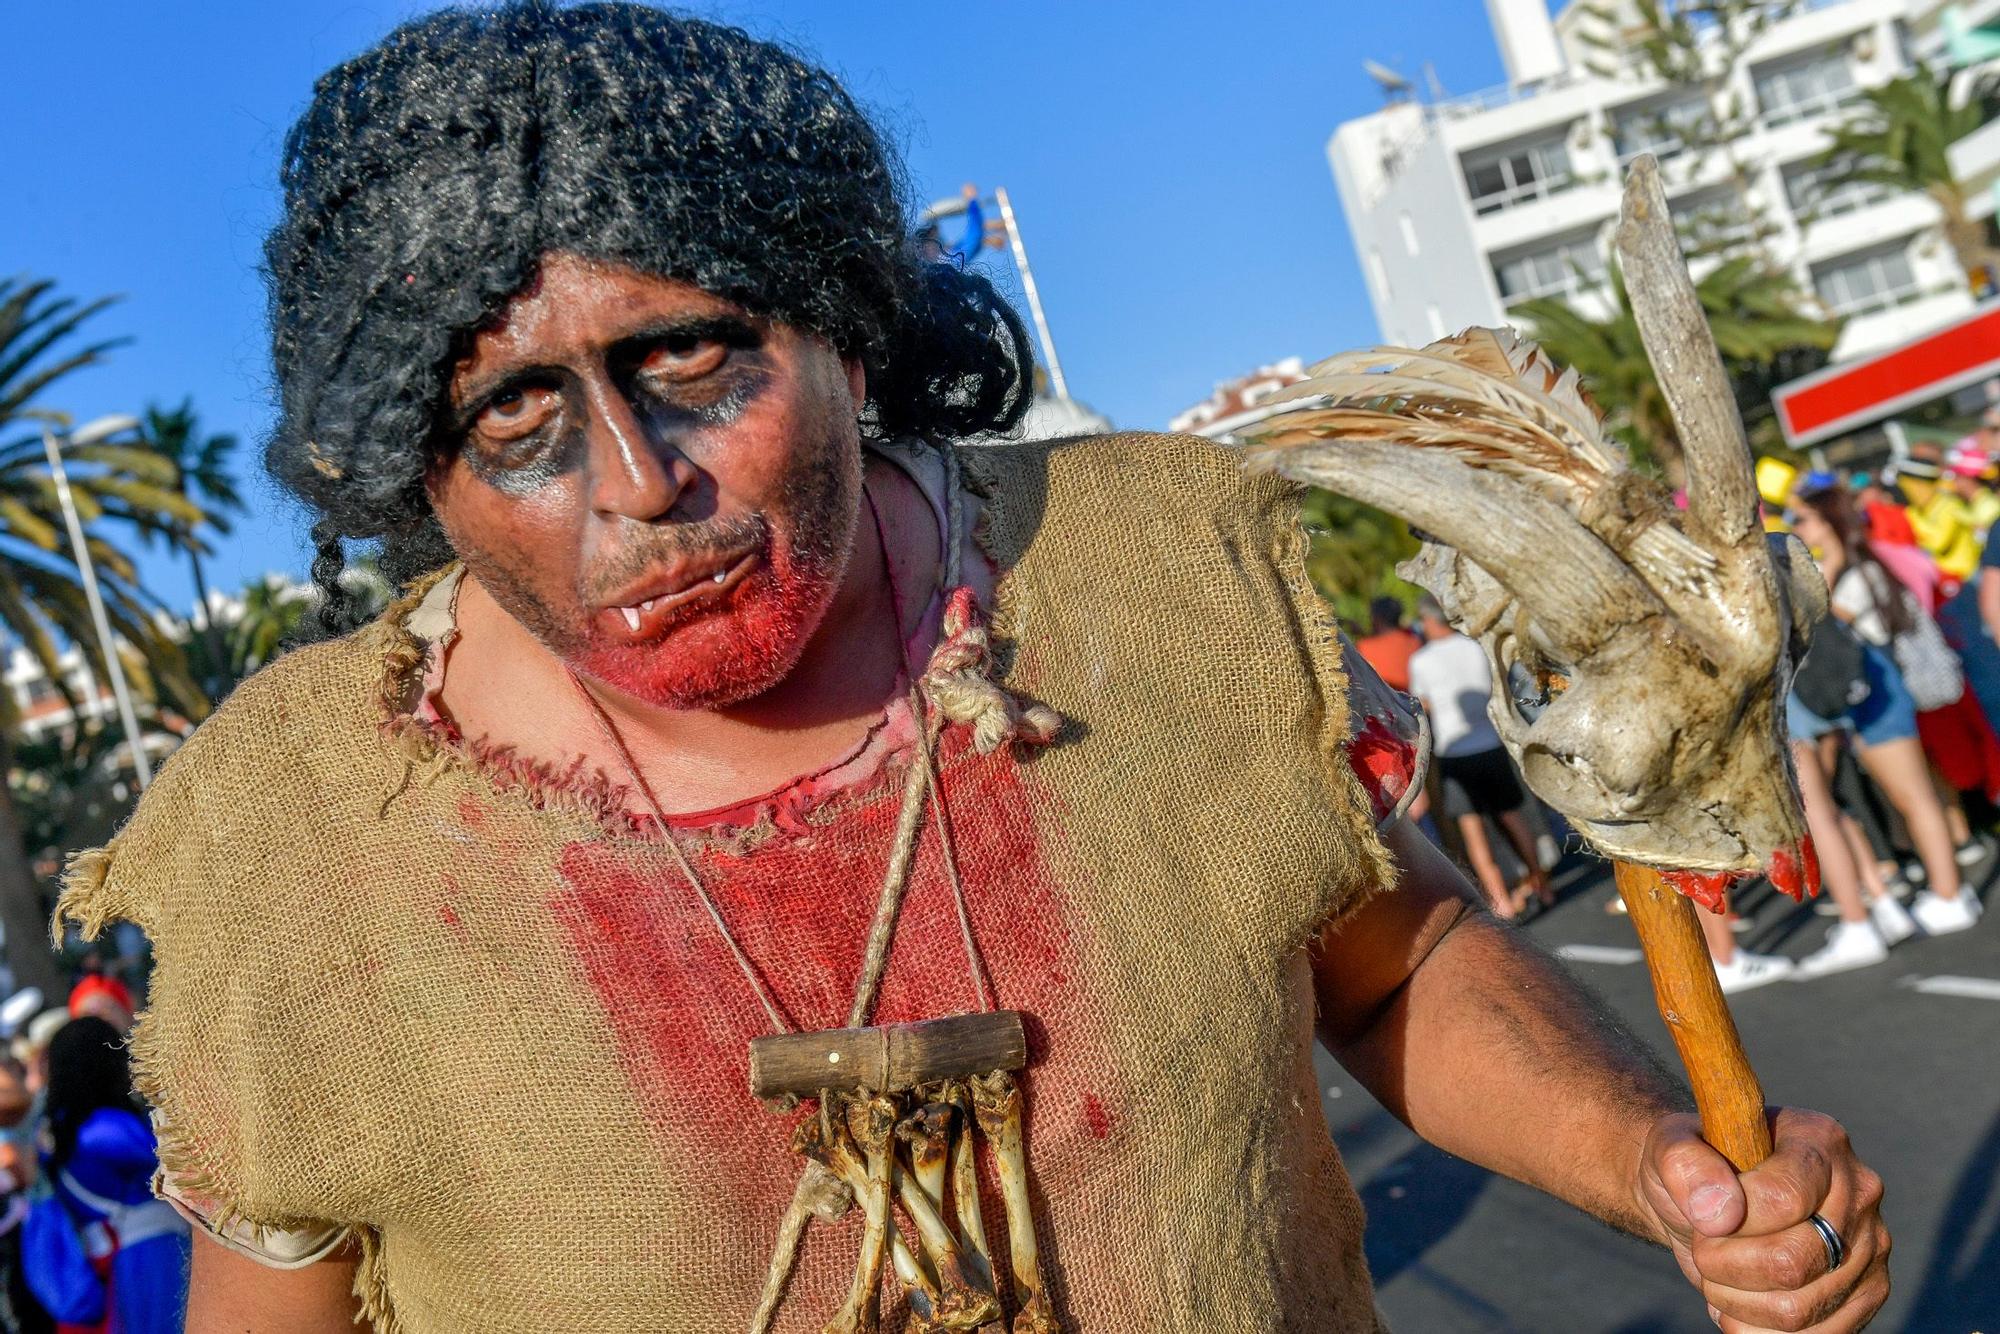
<point>431,174</point>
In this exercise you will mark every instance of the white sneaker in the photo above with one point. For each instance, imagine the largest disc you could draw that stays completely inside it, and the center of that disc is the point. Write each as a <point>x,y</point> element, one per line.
<point>1892,920</point>
<point>1972,852</point>
<point>1941,917</point>
<point>1749,970</point>
<point>1848,945</point>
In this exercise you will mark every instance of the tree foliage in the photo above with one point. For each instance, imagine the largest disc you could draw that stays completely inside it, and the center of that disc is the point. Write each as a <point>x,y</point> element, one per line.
<point>1354,552</point>
<point>112,485</point>
<point>1899,135</point>
<point>1762,323</point>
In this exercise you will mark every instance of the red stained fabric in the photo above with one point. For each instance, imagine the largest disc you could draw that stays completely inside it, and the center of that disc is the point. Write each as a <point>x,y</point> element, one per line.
<point>801,906</point>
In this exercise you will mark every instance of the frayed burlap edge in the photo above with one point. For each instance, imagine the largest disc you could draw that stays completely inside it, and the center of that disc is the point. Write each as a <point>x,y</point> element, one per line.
<point>91,900</point>
<point>1322,633</point>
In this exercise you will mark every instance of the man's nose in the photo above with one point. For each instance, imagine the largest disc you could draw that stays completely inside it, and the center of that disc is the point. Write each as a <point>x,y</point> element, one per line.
<point>634,472</point>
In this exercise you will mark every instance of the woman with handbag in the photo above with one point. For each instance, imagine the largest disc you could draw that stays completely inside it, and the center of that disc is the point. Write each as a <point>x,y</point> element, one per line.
<point>1913,714</point>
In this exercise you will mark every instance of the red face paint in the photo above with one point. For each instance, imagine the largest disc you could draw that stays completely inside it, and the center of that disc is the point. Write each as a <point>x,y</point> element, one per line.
<point>729,652</point>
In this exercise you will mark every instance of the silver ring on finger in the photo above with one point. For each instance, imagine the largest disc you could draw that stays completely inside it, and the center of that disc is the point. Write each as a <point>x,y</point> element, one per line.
<point>1836,1249</point>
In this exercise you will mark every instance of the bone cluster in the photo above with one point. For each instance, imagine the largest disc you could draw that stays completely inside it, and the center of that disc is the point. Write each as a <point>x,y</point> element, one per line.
<point>909,1162</point>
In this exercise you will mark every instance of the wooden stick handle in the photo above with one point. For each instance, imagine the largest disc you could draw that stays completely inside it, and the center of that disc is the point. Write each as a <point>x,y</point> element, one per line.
<point>1726,1091</point>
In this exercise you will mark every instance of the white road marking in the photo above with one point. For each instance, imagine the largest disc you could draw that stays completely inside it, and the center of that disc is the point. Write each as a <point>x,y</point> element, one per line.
<point>1974,988</point>
<point>1599,954</point>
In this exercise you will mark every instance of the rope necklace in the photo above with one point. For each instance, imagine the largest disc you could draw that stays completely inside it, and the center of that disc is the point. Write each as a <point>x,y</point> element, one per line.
<point>945,1081</point>
<point>920,784</point>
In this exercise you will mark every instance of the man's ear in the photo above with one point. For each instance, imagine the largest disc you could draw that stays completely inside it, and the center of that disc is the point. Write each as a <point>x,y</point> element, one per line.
<point>857,382</point>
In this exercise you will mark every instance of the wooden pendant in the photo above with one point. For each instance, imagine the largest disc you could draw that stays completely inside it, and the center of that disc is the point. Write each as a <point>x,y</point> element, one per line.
<point>903,1106</point>
<point>890,1059</point>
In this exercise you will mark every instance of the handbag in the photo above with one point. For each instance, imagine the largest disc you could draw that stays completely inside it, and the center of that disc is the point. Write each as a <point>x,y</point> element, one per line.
<point>1830,679</point>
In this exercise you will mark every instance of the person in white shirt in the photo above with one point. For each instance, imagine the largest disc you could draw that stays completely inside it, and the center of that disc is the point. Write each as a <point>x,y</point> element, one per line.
<point>1449,674</point>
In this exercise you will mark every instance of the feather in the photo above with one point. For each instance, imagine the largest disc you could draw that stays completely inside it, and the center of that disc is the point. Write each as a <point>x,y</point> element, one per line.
<point>1497,402</point>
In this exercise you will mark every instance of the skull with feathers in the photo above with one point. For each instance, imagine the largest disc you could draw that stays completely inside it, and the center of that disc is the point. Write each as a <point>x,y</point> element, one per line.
<point>1640,653</point>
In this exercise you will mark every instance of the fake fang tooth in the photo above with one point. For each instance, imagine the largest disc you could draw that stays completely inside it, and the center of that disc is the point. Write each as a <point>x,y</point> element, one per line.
<point>631,616</point>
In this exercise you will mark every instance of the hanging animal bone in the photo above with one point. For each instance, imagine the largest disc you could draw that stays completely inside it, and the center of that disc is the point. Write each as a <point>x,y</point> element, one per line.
<point>871,1121</point>
<point>859,1144</point>
<point>1002,1114</point>
<point>1662,642</point>
<point>966,1299</point>
<point>838,1159</point>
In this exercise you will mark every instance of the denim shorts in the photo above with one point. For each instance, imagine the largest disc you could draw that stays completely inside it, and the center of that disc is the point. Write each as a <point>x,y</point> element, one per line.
<point>1888,714</point>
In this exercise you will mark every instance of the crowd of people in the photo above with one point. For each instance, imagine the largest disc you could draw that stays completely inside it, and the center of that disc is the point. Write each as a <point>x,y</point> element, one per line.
<point>85,1248</point>
<point>1891,718</point>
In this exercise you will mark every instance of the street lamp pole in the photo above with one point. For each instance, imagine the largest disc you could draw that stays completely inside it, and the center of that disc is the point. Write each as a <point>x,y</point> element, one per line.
<point>97,430</point>
<point>1028,286</point>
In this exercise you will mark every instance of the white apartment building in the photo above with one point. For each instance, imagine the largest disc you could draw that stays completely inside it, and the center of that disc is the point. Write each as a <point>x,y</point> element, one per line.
<point>1464,207</point>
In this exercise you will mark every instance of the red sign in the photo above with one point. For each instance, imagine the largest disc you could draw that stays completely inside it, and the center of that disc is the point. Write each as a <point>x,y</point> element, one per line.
<point>1849,396</point>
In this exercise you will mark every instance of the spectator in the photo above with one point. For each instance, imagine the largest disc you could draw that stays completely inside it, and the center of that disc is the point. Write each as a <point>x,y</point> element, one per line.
<point>1968,465</point>
<point>100,1157</point>
<point>1887,522</point>
<point>1449,674</point>
<point>1876,705</point>
<point>99,996</point>
<point>1961,748</point>
<point>1389,644</point>
<point>1941,521</point>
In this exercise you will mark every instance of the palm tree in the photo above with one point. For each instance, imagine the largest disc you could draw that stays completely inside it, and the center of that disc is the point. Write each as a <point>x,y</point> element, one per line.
<point>1760,318</point>
<point>203,475</point>
<point>1899,135</point>
<point>250,634</point>
<point>1354,551</point>
<point>42,603</point>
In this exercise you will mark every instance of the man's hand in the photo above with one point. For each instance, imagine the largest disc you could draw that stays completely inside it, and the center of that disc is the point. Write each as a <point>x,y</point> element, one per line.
<point>1745,1240</point>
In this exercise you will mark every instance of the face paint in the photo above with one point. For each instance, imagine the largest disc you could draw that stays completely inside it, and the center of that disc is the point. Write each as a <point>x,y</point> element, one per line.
<point>686,560</point>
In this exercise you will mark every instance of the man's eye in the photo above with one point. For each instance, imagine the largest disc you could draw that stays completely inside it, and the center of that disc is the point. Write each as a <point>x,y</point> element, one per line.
<point>684,357</point>
<point>516,413</point>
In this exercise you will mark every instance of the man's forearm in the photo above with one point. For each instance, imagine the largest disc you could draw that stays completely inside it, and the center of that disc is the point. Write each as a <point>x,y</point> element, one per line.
<point>1494,1053</point>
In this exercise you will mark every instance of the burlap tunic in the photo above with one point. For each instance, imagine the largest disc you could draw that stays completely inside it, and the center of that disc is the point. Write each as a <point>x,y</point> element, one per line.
<point>468,1009</point>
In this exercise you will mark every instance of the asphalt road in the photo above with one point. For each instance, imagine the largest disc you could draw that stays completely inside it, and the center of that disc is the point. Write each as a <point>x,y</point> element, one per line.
<point>1906,1054</point>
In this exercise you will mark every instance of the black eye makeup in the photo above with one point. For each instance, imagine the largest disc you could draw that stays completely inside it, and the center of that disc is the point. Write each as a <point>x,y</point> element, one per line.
<point>522,431</point>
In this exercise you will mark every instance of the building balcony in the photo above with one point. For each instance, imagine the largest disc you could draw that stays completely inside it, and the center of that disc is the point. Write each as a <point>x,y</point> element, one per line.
<point>1975,161</point>
<point>1878,329</point>
<point>1828,237</point>
<point>1581,205</point>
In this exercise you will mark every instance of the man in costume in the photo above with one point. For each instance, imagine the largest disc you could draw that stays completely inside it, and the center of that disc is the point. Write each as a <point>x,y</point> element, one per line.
<point>737,699</point>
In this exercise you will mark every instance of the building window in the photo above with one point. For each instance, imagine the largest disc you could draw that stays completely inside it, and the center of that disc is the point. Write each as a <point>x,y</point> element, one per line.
<point>1566,269</point>
<point>1501,178</point>
<point>1380,273</point>
<point>1409,233</point>
<point>1803,90</point>
<point>1865,283</point>
<point>1662,129</point>
<point>1436,319</point>
<point>41,690</point>
<point>1817,190</point>
<point>1712,222</point>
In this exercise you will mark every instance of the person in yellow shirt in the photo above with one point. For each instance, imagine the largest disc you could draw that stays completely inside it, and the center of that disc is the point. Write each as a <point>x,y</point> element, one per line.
<point>1969,464</point>
<point>1942,521</point>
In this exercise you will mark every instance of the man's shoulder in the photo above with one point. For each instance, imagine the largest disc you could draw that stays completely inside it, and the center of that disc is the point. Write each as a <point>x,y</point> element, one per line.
<point>298,703</point>
<point>259,772</point>
<point>1150,487</point>
<point>279,731</point>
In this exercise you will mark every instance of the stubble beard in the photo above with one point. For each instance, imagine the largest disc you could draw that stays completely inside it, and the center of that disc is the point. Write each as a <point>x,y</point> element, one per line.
<point>731,651</point>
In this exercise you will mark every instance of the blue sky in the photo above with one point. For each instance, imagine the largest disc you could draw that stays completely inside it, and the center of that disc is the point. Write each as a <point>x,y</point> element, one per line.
<point>1167,163</point>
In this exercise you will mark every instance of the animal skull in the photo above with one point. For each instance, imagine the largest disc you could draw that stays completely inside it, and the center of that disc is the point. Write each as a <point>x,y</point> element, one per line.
<point>1640,654</point>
